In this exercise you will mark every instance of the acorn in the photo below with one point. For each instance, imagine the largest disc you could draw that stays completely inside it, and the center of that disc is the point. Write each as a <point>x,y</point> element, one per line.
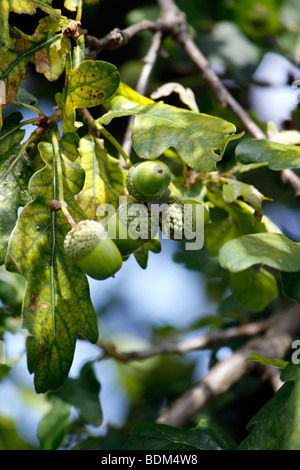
<point>131,226</point>
<point>92,250</point>
<point>178,219</point>
<point>147,181</point>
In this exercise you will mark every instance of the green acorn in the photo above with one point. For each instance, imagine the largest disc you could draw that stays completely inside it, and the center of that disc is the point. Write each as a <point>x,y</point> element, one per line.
<point>92,250</point>
<point>131,226</point>
<point>178,219</point>
<point>147,181</point>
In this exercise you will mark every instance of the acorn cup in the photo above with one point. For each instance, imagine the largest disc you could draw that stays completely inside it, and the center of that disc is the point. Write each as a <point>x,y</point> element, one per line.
<point>147,181</point>
<point>132,226</point>
<point>179,219</point>
<point>89,246</point>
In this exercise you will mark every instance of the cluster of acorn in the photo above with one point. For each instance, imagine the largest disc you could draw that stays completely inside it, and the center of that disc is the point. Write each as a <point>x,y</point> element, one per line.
<point>99,250</point>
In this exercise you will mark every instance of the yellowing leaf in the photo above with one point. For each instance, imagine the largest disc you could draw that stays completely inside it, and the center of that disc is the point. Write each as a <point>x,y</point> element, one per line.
<point>45,48</point>
<point>30,6</point>
<point>22,6</point>
<point>57,306</point>
<point>88,85</point>
<point>104,179</point>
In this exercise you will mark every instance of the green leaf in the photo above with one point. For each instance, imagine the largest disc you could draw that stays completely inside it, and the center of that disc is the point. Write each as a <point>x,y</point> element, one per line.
<point>46,48</point>
<point>241,220</point>
<point>233,189</point>
<point>291,285</point>
<point>104,179</point>
<point>12,287</point>
<point>278,363</point>
<point>15,172</point>
<point>206,436</point>
<point>72,173</point>
<point>69,144</point>
<point>271,249</point>
<point>88,85</point>
<point>57,306</point>
<point>24,97</point>
<point>83,394</point>
<point>276,425</point>
<point>142,254</point>
<point>53,425</point>
<point>199,139</point>
<point>254,290</point>
<point>278,156</point>
<point>186,95</point>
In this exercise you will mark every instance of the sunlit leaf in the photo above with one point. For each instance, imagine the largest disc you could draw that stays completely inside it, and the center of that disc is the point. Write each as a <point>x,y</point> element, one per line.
<point>131,95</point>
<point>73,4</point>
<point>278,156</point>
<point>104,179</point>
<point>91,83</point>
<point>290,137</point>
<point>271,249</point>
<point>233,189</point>
<point>279,363</point>
<point>22,6</point>
<point>199,139</point>
<point>46,48</point>
<point>30,6</point>
<point>57,306</point>
<point>186,95</point>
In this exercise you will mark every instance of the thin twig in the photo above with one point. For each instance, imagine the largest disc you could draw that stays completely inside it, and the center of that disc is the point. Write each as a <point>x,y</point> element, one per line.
<point>211,340</point>
<point>273,344</point>
<point>96,129</point>
<point>117,37</point>
<point>149,62</point>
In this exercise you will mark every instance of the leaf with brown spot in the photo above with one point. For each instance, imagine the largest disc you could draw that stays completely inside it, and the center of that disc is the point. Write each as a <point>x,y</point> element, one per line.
<point>89,84</point>
<point>22,6</point>
<point>47,48</point>
<point>57,307</point>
